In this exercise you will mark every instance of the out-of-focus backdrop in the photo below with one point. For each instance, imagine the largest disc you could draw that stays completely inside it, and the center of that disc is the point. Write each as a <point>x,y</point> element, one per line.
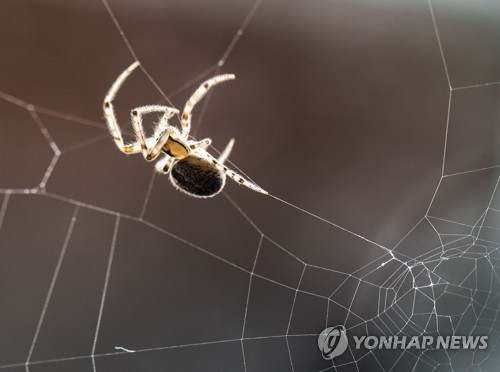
<point>374,125</point>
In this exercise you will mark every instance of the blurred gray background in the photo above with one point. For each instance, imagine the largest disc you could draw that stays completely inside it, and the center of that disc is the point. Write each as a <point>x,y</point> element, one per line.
<point>339,107</point>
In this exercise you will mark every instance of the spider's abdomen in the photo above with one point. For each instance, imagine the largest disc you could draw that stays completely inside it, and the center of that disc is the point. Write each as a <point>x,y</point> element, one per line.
<point>197,177</point>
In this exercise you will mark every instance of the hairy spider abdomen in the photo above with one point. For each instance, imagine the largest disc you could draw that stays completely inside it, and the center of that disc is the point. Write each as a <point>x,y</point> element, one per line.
<point>197,177</point>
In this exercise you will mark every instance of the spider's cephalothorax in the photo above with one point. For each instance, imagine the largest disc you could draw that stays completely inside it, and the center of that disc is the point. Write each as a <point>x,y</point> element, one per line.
<point>192,169</point>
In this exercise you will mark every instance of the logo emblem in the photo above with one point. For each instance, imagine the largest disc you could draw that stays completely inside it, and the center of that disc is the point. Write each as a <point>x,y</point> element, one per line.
<point>332,342</point>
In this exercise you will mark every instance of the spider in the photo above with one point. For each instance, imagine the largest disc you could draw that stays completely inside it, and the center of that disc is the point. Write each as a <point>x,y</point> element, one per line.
<point>191,168</point>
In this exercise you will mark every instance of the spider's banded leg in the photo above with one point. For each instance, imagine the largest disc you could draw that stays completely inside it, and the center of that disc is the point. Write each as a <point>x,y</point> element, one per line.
<point>239,178</point>
<point>110,116</point>
<point>227,151</point>
<point>235,176</point>
<point>168,114</point>
<point>137,114</point>
<point>114,129</point>
<point>159,144</point>
<point>163,165</point>
<point>197,96</point>
<point>204,143</point>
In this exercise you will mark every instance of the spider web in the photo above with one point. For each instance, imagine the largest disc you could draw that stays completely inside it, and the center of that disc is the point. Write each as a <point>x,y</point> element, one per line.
<point>380,152</point>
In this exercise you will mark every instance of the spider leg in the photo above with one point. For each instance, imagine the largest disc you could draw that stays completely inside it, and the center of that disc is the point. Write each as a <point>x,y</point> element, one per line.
<point>163,165</point>
<point>242,181</point>
<point>197,96</point>
<point>137,114</point>
<point>227,151</point>
<point>232,174</point>
<point>204,143</point>
<point>110,116</point>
